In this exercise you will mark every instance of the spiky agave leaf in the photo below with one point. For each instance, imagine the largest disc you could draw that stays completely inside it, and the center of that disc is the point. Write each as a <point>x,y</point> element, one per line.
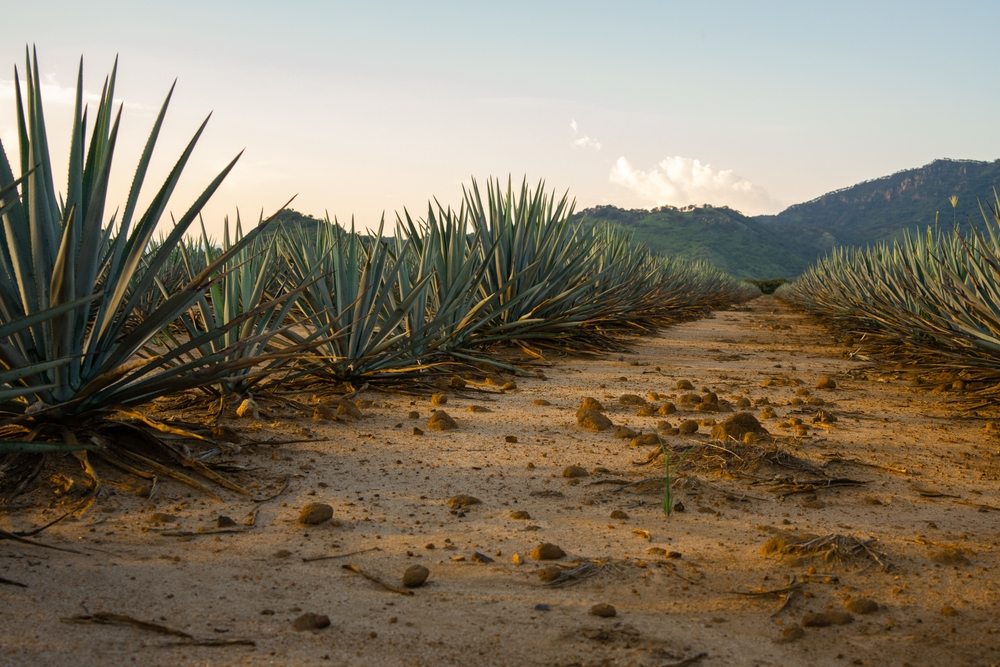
<point>552,283</point>
<point>96,271</point>
<point>446,315</point>
<point>538,280</point>
<point>930,300</point>
<point>249,303</point>
<point>353,300</point>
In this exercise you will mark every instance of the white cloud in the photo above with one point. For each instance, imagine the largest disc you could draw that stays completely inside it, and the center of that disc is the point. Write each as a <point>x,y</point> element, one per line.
<point>55,93</point>
<point>584,142</point>
<point>683,181</point>
<point>587,142</point>
<point>52,92</point>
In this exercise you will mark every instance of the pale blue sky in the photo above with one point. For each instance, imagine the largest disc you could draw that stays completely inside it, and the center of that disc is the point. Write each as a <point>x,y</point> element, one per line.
<point>365,107</point>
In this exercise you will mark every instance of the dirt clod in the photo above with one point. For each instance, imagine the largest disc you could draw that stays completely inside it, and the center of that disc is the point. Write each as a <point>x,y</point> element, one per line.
<point>646,440</point>
<point>738,426</point>
<point>826,382</point>
<point>315,513</point>
<point>593,421</point>
<point>690,399</point>
<point>462,501</point>
<point>441,421</point>
<point>415,576</point>
<point>603,610</point>
<point>624,432</point>
<point>348,408</point>
<point>816,620</point>
<point>861,606</point>
<point>325,413</point>
<point>311,621</point>
<point>632,399</point>
<point>547,551</point>
<point>688,426</point>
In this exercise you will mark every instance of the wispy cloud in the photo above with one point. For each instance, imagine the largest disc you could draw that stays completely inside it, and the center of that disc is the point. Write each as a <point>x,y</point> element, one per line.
<point>55,93</point>
<point>585,141</point>
<point>684,181</point>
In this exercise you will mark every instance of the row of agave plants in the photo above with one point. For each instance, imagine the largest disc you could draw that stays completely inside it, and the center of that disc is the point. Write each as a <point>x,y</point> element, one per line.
<point>99,315</point>
<point>930,300</point>
<point>449,290</point>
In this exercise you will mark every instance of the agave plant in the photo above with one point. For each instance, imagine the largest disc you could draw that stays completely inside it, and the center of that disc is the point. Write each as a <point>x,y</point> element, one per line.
<point>72,348</point>
<point>187,259</point>
<point>447,315</point>
<point>538,282</point>
<point>550,283</point>
<point>354,303</point>
<point>249,303</point>
<point>929,299</point>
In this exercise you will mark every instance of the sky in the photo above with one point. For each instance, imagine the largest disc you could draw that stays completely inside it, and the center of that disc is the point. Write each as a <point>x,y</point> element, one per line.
<point>360,109</point>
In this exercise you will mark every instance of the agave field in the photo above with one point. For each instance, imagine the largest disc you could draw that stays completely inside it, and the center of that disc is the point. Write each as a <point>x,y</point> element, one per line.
<point>738,475</point>
<point>102,311</point>
<point>931,301</point>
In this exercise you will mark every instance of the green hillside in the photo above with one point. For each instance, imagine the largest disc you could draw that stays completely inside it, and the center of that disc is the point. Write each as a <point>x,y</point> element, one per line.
<point>783,245</point>
<point>884,207</point>
<point>735,243</point>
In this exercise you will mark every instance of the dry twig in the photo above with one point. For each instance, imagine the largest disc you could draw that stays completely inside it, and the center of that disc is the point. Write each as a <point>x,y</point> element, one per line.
<point>313,559</point>
<point>351,567</point>
<point>110,618</point>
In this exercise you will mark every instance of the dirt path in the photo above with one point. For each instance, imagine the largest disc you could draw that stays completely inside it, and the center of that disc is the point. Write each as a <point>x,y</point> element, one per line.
<point>706,586</point>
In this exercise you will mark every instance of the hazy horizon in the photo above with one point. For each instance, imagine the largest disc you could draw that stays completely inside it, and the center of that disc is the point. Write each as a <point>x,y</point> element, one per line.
<point>365,110</point>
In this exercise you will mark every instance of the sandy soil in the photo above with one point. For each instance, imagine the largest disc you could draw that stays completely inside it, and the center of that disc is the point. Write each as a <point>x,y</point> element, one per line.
<point>901,492</point>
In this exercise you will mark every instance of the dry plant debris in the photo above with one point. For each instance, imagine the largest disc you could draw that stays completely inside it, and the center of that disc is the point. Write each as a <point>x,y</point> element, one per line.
<point>828,548</point>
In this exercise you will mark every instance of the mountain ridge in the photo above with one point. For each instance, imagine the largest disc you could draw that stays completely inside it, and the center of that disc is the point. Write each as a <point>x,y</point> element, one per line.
<point>784,244</point>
